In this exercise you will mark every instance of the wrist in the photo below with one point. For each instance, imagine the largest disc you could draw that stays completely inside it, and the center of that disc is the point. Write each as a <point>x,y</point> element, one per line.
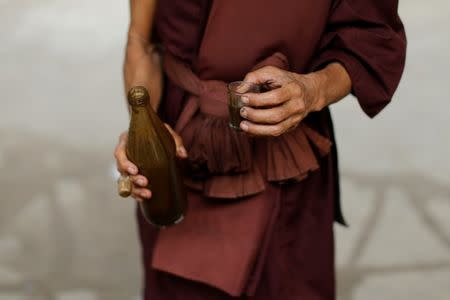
<point>319,80</point>
<point>134,35</point>
<point>138,43</point>
<point>137,48</point>
<point>314,95</point>
<point>334,84</point>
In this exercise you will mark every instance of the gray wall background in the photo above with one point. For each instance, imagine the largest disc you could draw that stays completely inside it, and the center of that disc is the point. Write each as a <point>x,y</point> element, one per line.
<point>65,235</point>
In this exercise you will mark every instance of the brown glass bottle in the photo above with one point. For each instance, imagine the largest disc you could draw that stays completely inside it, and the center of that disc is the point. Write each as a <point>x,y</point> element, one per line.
<point>152,149</point>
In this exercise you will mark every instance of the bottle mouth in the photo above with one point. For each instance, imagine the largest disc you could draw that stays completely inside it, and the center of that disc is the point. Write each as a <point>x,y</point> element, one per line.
<point>138,96</point>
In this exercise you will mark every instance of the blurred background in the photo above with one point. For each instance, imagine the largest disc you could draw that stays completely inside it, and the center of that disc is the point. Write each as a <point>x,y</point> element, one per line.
<point>65,235</point>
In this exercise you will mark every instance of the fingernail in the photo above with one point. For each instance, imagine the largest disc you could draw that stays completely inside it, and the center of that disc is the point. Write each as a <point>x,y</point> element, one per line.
<point>244,126</point>
<point>141,182</point>
<point>243,112</point>
<point>131,170</point>
<point>244,99</point>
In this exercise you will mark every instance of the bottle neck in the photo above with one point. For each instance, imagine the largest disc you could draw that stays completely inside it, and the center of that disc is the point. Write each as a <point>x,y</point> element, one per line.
<point>143,109</point>
<point>138,108</point>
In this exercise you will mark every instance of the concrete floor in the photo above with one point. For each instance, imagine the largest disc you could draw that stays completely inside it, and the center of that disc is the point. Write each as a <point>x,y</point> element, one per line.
<point>65,235</point>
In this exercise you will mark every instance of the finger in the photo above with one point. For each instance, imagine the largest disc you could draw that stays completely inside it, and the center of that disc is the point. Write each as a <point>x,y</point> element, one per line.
<point>270,98</point>
<point>268,74</point>
<point>181,150</point>
<point>139,180</point>
<point>270,130</point>
<point>123,164</point>
<point>140,192</point>
<point>272,115</point>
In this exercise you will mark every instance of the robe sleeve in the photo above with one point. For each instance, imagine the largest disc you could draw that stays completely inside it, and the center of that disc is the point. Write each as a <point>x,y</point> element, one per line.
<point>367,37</point>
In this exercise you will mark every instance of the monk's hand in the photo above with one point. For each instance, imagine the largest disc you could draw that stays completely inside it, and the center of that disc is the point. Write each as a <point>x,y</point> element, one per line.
<point>289,99</point>
<point>139,189</point>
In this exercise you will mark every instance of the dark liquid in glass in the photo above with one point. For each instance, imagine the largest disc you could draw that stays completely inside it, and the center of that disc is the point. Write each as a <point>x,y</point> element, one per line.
<point>234,108</point>
<point>236,90</point>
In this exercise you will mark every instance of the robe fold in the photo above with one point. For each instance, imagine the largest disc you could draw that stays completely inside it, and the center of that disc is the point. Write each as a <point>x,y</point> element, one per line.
<point>222,40</point>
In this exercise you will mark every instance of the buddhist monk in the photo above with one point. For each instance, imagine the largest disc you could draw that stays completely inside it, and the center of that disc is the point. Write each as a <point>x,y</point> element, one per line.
<point>263,200</point>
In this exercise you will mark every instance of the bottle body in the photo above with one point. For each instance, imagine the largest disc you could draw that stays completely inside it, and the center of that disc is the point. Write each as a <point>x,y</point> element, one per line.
<point>152,149</point>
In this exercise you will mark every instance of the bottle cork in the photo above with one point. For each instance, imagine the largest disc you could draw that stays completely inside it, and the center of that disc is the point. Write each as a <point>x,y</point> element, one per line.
<point>124,186</point>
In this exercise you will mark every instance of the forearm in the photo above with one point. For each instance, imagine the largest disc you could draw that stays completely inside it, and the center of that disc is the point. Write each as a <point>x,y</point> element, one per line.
<point>140,28</point>
<point>141,21</point>
<point>141,63</point>
<point>332,84</point>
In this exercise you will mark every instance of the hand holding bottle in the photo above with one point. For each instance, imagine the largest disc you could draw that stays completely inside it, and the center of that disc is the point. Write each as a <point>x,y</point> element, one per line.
<point>142,66</point>
<point>139,192</point>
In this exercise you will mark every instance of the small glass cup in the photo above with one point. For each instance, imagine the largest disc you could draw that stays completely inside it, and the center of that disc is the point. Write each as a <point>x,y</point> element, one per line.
<point>235,91</point>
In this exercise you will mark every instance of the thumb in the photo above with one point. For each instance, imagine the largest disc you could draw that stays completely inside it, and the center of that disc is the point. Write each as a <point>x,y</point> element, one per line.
<point>268,75</point>
<point>260,76</point>
<point>181,150</point>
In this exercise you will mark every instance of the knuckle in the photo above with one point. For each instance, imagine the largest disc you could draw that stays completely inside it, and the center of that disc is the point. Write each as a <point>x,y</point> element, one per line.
<point>118,150</point>
<point>277,131</point>
<point>300,100</point>
<point>277,116</point>
<point>250,76</point>
<point>285,93</point>
<point>294,88</point>
<point>120,158</point>
<point>120,167</point>
<point>123,136</point>
<point>122,164</point>
<point>278,100</point>
<point>282,98</point>
<point>274,96</point>
<point>272,69</point>
<point>301,106</point>
<point>266,69</point>
<point>136,190</point>
<point>116,154</point>
<point>277,96</point>
<point>289,90</point>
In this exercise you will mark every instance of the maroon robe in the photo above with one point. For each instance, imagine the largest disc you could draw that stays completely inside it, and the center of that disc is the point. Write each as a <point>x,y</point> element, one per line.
<point>367,38</point>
